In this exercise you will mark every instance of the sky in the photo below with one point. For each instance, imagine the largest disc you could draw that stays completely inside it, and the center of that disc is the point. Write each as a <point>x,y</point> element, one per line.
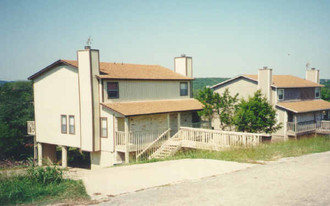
<point>225,38</point>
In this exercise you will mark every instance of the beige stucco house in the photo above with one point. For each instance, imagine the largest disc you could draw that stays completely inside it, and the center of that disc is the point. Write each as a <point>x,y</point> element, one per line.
<point>297,101</point>
<point>109,109</point>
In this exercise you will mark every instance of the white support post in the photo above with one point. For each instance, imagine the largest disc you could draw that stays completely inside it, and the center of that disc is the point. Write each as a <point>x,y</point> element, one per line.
<point>64,156</point>
<point>179,120</point>
<point>126,141</point>
<point>39,154</point>
<point>168,121</point>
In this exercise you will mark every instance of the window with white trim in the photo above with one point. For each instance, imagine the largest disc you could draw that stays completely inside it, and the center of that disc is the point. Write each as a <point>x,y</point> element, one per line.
<point>317,92</point>
<point>113,90</point>
<point>104,127</point>
<point>64,125</point>
<point>183,88</point>
<point>71,125</point>
<point>280,94</point>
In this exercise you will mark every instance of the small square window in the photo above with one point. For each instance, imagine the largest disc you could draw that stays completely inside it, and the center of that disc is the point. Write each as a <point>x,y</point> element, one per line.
<point>280,93</point>
<point>113,90</point>
<point>184,89</point>
<point>64,124</point>
<point>317,92</point>
<point>71,125</point>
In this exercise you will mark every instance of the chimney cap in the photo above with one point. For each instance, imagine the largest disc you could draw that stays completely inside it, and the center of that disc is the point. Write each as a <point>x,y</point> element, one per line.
<point>87,47</point>
<point>183,55</point>
<point>313,68</point>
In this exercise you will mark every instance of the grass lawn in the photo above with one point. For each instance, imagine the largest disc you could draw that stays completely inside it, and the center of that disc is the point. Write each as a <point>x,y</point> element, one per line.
<point>264,152</point>
<point>25,189</point>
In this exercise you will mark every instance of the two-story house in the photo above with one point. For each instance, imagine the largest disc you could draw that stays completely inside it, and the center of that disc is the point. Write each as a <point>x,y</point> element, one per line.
<point>297,101</point>
<point>111,110</point>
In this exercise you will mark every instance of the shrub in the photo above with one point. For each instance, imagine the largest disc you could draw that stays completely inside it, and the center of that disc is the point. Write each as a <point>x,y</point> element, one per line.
<point>46,175</point>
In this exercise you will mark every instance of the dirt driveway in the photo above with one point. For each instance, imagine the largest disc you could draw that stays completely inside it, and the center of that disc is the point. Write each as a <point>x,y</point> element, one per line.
<point>107,182</point>
<point>302,180</point>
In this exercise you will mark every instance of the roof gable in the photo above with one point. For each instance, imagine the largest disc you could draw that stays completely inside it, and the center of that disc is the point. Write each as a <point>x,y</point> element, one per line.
<point>279,81</point>
<point>287,81</point>
<point>123,71</point>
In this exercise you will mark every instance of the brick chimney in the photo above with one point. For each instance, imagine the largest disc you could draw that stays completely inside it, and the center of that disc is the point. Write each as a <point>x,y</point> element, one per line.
<point>313,75</point>
<point>88,68</point>
<point>183,65</point>
<point>265,80</point>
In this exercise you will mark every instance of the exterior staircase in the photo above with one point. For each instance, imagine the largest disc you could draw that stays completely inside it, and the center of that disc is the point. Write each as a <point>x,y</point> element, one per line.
<point>169,148</point>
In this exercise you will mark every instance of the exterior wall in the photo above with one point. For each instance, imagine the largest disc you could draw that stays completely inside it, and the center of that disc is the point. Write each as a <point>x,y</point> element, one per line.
<point>55,94</point>
<point>148,122</point>
<point>313,75</point>
<point>282,117</point>
<point>180,65</point>
<point>243,87</point>
<point>88,63</point>
<point>134,90</point>
<point>265,78</point>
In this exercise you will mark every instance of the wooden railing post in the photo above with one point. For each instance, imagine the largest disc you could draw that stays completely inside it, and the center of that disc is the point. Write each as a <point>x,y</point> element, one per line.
<point>127,136</point>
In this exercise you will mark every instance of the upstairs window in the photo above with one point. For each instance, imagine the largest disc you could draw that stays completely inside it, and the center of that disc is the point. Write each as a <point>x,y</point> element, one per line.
<point>183,88</point>
<point>280,94</point>
<point>71,125</point>
<point>317,92</point>
<point>113,90</point>
<point>64,124</point>
<point>104,127</point>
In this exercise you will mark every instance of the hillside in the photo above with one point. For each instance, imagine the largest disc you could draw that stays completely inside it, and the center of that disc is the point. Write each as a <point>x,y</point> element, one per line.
<point>2,82</point>
<point>200,83</point>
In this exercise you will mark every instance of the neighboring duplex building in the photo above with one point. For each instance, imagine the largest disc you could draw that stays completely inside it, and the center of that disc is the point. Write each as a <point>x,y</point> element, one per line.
<point>297,101</point>
<point>96,106</point>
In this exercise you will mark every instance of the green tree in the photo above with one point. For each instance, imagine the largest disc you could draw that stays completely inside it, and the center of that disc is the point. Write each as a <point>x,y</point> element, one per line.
<point>209,99</point>
<point>226,106</point>
<point>16,107</point>
<point>223,106</point>
<point>325,94</point>
<point>256,115</point>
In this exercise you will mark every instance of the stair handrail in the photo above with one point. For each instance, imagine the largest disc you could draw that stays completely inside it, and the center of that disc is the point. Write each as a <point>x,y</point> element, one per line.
<point>152,143</point>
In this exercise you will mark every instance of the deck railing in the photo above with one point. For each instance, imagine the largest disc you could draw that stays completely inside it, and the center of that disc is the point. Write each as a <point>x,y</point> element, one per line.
<point>153,146</point>
<point>120,138</point>
<point>138,139</point>
<point>323,125</point>
<point>300,127</point>
<point>215,139</point>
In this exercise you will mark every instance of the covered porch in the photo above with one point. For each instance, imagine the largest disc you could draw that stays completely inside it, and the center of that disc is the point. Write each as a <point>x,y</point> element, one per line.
<point>138,125</point>
<point>307,117</point>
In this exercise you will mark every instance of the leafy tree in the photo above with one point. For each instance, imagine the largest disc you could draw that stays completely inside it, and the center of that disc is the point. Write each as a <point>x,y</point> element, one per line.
<point>16,107</point>
<point>325,94</point>
<point>222,105</point>
<point>256,115</point>
<point>226,107</point>
<point>209,99</point>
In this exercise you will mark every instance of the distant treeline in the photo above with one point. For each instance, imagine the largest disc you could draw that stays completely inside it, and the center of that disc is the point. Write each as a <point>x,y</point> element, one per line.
<point>16,107</point>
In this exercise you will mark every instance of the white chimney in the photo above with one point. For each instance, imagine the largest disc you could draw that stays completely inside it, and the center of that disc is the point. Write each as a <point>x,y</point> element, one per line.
<point>313,75</point>
<point>183,65</point>
<point>265,80</point>
<point>88,68</point>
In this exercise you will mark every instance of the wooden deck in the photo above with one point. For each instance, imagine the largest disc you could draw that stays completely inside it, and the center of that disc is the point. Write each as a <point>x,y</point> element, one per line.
<point>309,127</point>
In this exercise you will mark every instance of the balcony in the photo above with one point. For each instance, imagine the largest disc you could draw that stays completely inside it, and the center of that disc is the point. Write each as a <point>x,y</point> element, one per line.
<point>298,128</point>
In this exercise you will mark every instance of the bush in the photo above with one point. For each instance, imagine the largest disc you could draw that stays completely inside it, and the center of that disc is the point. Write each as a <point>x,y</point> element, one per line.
<point>46,175</point>
<point>39,184</point>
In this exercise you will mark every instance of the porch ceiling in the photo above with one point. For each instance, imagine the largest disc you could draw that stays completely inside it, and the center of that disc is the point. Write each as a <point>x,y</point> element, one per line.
<point>154,107</point>
<point>305,106</point>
